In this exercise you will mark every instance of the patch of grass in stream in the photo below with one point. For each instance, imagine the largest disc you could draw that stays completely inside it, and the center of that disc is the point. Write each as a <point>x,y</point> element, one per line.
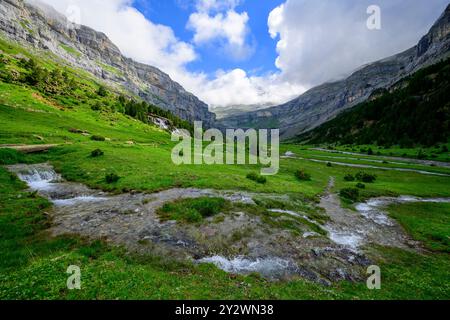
<point>192,210</point>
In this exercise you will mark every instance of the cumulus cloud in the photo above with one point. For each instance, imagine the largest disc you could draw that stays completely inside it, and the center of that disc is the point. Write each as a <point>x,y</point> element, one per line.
<point>216,5</point>
<point>229,29</point>
<point>324,40</point>
<point>236,87</point>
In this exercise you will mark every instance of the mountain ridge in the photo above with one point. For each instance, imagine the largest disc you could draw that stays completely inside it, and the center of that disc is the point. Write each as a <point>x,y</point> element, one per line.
<point>324,102</point>
<point>415,111</point>
<point>40,27</point>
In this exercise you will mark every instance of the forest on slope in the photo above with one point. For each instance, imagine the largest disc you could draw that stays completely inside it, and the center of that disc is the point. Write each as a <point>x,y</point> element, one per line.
<point>414,112</point>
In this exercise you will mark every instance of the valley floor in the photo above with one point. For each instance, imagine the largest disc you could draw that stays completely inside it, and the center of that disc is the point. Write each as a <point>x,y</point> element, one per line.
<point>125,246</point>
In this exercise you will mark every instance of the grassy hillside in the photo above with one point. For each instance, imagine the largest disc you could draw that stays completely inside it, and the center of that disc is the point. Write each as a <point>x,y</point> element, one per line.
<point>416,112</point>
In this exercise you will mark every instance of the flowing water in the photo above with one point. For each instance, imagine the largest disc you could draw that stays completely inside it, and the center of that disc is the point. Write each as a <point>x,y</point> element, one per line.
<point>130,219</point>
<point>271,267</point>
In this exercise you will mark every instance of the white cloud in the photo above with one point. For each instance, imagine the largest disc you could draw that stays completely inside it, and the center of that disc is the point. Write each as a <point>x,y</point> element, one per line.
<point>216,5</point>
<point>217,21</point>
<point>325,40</point>
<point>236,87</point>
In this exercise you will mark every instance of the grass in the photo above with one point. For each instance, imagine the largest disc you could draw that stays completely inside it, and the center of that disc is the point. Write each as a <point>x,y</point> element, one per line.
<point>430,153</point>
<point>192,210</point>
<point>428,223</point>
<point>110,69</point>
<point>75,53</point>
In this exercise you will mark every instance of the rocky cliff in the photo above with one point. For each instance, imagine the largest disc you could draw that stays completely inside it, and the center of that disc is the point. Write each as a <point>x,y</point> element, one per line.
<point>40,27</point>
<point>325,102</point>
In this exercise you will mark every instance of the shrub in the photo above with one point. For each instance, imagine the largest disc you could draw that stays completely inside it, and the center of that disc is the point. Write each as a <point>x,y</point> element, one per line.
<point>329,164</point>
<point>360,185</point>
<point>302,175</point>
<point>102,91</point>
<point>97,107</point>
<point>257,178</point>
<point>350,194</point>
<point>421,155</point>
<point>98,138</point>
<point>366,177</point>
<point>192,210</point>
<point>112,178</point>
<point>97,153</point>
<point>349,178</point>
<point>208,207</point>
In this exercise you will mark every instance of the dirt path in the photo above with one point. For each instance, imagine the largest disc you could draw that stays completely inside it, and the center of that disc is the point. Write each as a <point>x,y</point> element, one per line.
<point>28,148</point>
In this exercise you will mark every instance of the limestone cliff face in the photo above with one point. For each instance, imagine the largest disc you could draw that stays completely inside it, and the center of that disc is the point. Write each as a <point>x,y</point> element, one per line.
<point>39,26</point>
<point>324,102</point>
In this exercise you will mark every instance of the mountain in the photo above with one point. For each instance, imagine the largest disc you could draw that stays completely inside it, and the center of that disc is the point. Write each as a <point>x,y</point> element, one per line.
<point>326,101</point>
<point>40,27</point>
<point>416,110</point>
<point>234,110</point>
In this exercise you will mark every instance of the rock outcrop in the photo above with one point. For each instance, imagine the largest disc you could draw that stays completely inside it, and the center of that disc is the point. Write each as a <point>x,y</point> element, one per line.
<point>324,102</point>
<point>42,28</point>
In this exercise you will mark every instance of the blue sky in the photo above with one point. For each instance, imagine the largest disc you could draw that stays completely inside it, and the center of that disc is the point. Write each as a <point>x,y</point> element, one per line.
<point>255,52</point>
<point>175,13</point>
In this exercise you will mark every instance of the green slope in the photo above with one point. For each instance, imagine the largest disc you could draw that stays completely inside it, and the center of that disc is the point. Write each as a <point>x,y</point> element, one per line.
<point>416,111</point>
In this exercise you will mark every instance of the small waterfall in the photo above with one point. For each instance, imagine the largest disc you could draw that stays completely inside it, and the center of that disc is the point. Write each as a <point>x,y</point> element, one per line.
<point>44,179</point>
<point>38,177</point>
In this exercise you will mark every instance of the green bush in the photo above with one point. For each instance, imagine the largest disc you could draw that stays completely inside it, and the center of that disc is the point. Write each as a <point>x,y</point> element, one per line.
<point>366,177</point>
<point>97,107</point>
<point>360,185</point>
<point>112,178</point>
<point>98,138</point>
<point>329,164</point>
<point>102,92</point>
<point>97,153</point>
<point>257,178</point>
<point>349,178</point>
<point>351,194</point>
<point>302,175</point>
<point>192,210</point>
